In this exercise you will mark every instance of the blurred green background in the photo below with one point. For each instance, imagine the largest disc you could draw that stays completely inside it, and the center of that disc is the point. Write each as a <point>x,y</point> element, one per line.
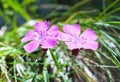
<point>19,16</point>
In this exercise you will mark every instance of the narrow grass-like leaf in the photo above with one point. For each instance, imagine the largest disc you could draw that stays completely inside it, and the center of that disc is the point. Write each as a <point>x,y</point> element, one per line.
<point>45,74</point>
<point>17,7</point>
<point>55,59</point>
<point>110,6</point>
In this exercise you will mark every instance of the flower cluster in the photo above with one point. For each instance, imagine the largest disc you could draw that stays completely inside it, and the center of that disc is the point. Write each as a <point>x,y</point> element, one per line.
<point>46,37</point>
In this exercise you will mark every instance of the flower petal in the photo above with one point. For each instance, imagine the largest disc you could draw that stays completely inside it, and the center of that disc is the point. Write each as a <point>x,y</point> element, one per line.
<point>32,46</point>
<point>29,36</point>
<point>72,45</point>
<point>73,30</point>
<point>89,34</point>
<point>64,37</point>
<point>91,45</point>
<point>41,26</point>
<point>49,42</point>
<point>53,31</point>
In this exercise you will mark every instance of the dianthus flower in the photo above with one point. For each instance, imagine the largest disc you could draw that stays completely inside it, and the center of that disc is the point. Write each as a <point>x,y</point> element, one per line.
<point>42,36</point>
<point>76,40</point>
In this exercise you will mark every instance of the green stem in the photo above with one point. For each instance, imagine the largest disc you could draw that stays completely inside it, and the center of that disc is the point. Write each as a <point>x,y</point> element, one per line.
<point>15,76</point>
<point>44,61</point>
<point>45,71</point>
<point>55,59</point>
<point>110,6</point>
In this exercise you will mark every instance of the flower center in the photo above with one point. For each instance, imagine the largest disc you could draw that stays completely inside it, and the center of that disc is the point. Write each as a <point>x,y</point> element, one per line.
<point>83,40</point>
<point>41,35</point>
<point>75,39</point>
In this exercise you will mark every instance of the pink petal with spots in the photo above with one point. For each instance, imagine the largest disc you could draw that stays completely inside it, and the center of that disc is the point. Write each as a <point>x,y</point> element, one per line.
<point>41,26</point>
<point>64,37</point>
<point>29,36</point>
<point>49,42</point>
<point>72,45</point>
<point>73,30</point>
<point>91,45</point>
<point>31,46</point>
<point>53,31</point>
<point>89,34</point>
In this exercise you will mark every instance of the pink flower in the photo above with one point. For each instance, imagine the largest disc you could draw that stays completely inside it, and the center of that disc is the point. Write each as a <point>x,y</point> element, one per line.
<point>74,40</point>
<point>42,36</point>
